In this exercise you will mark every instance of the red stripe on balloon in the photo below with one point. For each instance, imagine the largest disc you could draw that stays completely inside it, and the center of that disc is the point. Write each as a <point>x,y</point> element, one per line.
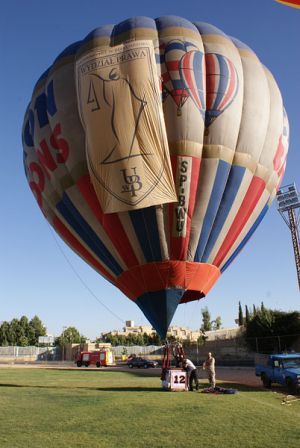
<point>172,65</point>
<point>110,222</point>
<point>292,3</point>
<point>231,88</point>
<point>250,201</point>
<point>165,77</point>
<point>67,236</point>
<point>196,278</point>
<point>190,77</point>
<point>210,67</point>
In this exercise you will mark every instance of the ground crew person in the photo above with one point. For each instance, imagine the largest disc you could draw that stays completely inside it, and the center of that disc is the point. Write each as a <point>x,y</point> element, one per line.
<point>209,366</point>
<point>192,373</point>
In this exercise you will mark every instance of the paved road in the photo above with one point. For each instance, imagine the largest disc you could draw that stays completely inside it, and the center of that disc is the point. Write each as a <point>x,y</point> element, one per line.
<point>238,375</point>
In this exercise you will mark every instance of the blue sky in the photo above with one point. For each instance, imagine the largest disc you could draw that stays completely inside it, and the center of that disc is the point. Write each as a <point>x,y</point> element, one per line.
<point>36,270</point>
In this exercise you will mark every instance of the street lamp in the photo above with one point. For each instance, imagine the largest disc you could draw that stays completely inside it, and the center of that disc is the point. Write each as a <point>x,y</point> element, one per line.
<point>63,343</point>
<point>288,201</point>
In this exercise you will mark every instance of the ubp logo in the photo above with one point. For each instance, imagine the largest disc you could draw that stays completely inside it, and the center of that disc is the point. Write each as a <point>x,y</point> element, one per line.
<point>132,182</point>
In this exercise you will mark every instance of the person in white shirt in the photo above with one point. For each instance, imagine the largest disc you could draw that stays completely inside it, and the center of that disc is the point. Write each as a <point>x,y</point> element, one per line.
<point>192,374</point>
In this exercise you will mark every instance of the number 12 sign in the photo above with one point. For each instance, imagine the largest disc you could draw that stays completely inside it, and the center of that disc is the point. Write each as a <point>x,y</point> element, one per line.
<point>178,380</point>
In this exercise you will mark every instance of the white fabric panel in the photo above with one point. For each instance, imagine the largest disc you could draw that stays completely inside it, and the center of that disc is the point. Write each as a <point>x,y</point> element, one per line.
<point>256,106</point>
<point>208,172</point>
<point>128,227</point>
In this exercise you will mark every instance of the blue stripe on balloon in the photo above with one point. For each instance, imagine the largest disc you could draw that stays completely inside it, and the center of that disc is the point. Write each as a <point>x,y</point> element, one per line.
<point>159,58</point>
<point>86,233</point>
<point>212,208</point>
<point>247,237</point>
<point>223,82</point>
<point>175,45</point>
<point>177,84</point>
<point>232,187</point>
<point>210,116</point>
<point>145,226</point>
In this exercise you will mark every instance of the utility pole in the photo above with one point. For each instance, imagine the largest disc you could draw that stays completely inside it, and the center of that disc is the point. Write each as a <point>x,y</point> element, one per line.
<point>63,345</point>
<point>288,201</point>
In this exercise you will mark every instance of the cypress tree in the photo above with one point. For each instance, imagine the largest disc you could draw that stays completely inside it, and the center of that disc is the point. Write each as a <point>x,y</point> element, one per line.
<point>247,315</point>
<point>241,317</point>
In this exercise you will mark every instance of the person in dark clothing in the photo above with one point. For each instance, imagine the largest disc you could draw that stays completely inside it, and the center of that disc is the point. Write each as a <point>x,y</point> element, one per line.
<point>192,374</point>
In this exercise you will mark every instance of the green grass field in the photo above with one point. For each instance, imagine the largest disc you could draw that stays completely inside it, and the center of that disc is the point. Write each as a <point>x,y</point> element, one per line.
<point>70,408</point>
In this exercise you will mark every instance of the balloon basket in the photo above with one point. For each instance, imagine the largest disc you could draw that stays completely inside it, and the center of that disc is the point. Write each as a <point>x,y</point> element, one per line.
<point>175,380</point>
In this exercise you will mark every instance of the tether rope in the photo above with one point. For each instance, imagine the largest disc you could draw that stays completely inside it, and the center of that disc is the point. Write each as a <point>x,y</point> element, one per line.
<point>81,279</point>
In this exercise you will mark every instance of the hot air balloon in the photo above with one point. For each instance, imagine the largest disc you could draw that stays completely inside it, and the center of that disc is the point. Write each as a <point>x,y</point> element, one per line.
<point>154,148</point>
<point>292,3</point>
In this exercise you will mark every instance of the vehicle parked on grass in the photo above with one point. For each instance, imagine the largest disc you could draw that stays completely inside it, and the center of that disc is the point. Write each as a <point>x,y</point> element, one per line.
<point>141,362</point>
<point>99,358</point>
<point>283,369</point>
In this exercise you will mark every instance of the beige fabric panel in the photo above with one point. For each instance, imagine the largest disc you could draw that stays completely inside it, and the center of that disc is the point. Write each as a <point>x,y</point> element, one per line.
<point>256,106</point>
<point>127,224</point>
<point>208,172</point>
<point>273,145</point>
<point>162,219</point>
<point>126,143</point>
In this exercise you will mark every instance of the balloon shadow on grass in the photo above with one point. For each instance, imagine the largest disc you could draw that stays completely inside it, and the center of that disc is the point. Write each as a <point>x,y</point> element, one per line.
<point>102,389</point>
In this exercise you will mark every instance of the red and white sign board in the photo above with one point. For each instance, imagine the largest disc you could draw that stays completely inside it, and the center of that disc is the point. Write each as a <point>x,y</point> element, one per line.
<point>175,380</point>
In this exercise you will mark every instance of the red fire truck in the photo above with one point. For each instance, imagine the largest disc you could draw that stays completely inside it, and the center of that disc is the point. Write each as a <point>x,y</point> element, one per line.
<point>99,358</point>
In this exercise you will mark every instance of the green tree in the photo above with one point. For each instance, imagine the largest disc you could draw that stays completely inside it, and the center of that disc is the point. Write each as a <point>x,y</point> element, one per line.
<point>206,320</point>
<point>155,339</point>
<point>241,317</point>
<point>271,324</point>
<point>70,336</point>
<point>23,341</point>
<point>4,329</point>
<point>36,329</point>
<point>247,318</point>
<point>202,338</point>
<point>217,323</point>
<point>21,332</point>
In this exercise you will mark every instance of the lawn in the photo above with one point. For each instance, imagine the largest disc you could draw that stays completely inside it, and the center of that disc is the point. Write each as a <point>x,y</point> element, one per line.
<point>63,408</point>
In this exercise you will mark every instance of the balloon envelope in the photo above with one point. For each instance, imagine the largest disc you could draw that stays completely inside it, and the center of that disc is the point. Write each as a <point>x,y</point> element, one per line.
<point>155,148</point>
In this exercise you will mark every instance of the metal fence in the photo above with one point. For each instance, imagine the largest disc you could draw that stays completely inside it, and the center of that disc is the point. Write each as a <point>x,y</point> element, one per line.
<point>234,351</point>
<point>31,353</point>
<point>138,350</point>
